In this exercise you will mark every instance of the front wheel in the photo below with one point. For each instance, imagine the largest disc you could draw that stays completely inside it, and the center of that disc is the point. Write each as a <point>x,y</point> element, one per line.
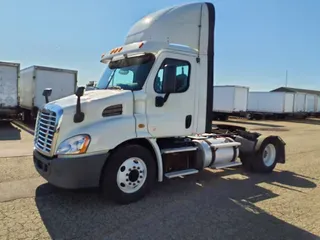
<point>129,175</point>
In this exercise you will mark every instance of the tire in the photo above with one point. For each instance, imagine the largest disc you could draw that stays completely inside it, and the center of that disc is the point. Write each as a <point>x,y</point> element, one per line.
<point>248,116</point>
<point>246,162</point>
<point>128,166</point>
<point>266,157</point>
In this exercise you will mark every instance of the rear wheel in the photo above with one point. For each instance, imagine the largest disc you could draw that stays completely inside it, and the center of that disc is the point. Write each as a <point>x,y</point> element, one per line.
<point>266,157</point>
<point>129,175</point>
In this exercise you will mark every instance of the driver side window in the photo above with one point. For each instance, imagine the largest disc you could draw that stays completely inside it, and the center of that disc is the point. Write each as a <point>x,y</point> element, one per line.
<point>182,76</point>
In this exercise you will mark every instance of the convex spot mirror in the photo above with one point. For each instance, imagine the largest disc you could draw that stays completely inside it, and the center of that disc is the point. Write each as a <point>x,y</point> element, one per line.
<point>79,91</point>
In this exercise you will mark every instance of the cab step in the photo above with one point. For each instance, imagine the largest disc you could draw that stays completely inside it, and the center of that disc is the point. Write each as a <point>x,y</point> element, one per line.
<point>181,173</point>
<point>226,165</point>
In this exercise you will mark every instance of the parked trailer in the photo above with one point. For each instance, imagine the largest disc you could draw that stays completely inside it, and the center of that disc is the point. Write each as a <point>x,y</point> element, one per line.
<point>264,104</point>
<point>299,103</point>
<point>9,99</point>
<point>229,101</point>
<point>311,104</point>
<point>34,79</point>
<point>318,106</point>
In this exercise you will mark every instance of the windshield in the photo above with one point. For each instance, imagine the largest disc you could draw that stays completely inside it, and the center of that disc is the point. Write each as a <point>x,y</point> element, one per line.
<point>127,74</point>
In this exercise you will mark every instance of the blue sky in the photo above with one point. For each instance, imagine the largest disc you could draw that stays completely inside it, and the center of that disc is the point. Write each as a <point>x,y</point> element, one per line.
<point>256,40</point>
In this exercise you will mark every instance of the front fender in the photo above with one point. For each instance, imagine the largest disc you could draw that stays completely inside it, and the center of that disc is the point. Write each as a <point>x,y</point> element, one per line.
<point>105,134</point>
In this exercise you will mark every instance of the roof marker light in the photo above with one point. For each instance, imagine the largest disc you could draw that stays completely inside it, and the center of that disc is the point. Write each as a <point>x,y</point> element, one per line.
<point>116,50</point>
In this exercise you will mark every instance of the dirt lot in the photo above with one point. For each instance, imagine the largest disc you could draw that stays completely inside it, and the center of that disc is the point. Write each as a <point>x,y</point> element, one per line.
<point>228,204</point>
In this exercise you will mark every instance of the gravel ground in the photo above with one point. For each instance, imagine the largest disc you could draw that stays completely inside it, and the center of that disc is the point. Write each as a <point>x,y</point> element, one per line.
<point>224,204</point>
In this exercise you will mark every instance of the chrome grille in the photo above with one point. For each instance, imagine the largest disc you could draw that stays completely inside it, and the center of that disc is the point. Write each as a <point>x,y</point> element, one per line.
<point>45,131</point>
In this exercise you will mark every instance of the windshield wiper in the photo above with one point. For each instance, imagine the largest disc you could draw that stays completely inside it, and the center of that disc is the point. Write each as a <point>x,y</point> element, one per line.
<point>114,87</point>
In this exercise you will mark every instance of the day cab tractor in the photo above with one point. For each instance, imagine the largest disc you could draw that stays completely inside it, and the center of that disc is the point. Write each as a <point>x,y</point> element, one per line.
<point>149,116</point>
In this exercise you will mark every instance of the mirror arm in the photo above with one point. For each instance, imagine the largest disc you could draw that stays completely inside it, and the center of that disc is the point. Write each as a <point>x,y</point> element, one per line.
<point>161,100</point>
<point>166,96</point>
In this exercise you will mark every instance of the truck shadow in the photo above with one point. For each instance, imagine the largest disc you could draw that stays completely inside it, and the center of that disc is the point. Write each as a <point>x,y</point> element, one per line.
<point>9,132</point>
<point>26,126</point>
<point>192,208</point>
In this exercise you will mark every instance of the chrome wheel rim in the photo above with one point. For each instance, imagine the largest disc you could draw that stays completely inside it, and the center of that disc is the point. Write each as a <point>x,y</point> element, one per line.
<point>131,175</point>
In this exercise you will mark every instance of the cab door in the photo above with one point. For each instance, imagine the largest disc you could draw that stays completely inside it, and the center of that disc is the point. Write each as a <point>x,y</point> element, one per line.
<point>172,114</point>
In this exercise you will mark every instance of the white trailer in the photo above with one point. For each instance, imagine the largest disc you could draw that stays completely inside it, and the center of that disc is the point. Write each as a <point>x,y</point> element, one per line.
<point>34,79</point>
<point>311,103</point>
<point>9,99</point>
<point>149,117</point>
<point>299,103</point>
<point>318,105</point>
<point>261,104</point>
<point>229,101</point>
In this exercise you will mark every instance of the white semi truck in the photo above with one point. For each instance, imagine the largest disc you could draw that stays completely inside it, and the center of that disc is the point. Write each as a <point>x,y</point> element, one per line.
<point>149,117</point>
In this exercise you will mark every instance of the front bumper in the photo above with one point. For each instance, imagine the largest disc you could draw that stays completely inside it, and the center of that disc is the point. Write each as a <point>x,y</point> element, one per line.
<point>70,173</point>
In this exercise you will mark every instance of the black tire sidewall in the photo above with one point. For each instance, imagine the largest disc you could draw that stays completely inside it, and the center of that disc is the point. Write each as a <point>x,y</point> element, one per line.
<point>109,184</point>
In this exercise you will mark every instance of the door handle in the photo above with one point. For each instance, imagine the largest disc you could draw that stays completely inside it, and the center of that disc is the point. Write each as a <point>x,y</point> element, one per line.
<point>188,121</point>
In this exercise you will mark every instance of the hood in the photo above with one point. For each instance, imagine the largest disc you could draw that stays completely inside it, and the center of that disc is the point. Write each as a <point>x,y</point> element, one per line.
<point>89,96</point>
<point>95,101</point>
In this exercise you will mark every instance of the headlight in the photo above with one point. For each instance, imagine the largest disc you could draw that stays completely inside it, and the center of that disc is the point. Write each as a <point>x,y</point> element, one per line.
<point>74,145</point>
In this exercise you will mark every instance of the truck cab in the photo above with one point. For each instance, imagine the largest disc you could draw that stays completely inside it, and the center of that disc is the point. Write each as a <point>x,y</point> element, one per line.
<point>149,116</point>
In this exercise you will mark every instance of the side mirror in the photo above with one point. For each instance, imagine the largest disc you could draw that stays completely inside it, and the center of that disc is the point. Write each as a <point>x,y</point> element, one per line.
<point>79,116</point>
<point>159,101</point>
<point>79,92</point>
<point>47,93</point>
<point>169,78</point>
